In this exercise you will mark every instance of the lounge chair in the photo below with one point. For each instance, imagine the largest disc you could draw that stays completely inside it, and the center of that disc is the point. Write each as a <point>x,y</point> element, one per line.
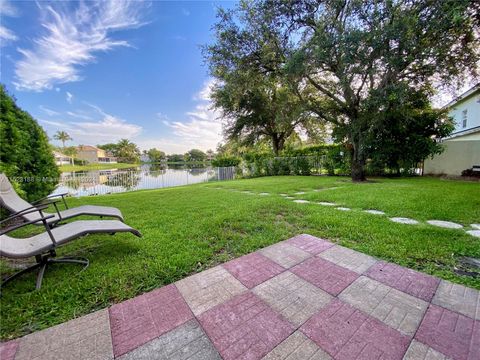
<point>43,245</point>
<point>10,200</point>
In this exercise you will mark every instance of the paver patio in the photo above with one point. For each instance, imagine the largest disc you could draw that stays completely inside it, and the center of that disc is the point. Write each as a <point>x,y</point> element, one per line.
<point>303,298</point>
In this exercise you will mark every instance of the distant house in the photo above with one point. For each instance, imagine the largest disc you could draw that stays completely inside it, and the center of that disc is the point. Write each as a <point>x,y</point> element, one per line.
<point>62,159</point>
<point>462,147</point>
<point>94,155</point>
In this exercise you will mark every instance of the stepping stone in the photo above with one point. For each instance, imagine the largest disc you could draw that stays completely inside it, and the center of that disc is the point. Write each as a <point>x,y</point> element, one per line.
<point>264,194</point>
<point>419,351</point>
<point>374,212</point>
<point>247,192</point>
<point>450,333</point>
<point>475,233</point>
<point>403,220</point>
<point>343,208</point>
<point>285,254</point>
<point>475,226</point>
<point>283,194</point>
<point>412,282</point>
<point>299,201</point>
<point>325,275</point>
<point>347,333</point>
<point>289,197</point>
<point>325,203</point>
<point>292,297</point>
<point>253,269</point>
<point>188,341</point>
<point>394,308</point>
<point>297,347</point>
<point>209,288</point>
<point>300,193</point>
<point>309,243</point>
<point>458,298</point>
<point>348,258</point>
<point>87,337</point>
<point>244,327</point>
<point>445,224</point>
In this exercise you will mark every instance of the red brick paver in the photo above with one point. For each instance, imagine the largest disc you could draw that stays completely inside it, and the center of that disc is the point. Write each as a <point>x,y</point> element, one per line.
<point>244,327</point>
<point>310,244</point>
<point>8,349</point>
<point>253,269</point>
<point>141,319</point>
<point>325,275</point>
<point>450,333</point>
<point>347,333</point>
<point>414,283</point>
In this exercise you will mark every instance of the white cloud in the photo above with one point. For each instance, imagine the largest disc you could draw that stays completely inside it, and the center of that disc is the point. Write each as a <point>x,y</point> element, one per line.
<point>48,111</point>
<point>72,39</point>
<point>79,115</point>
<point>7,35</point>
<point>202,130</point>
<point>69,97</point>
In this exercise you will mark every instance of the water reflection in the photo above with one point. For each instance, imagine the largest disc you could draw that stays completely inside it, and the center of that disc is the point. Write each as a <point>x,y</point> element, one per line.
<point>98,182</point>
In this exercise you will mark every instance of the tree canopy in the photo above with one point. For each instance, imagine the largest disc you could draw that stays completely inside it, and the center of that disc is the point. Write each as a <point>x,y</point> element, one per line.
<point>339,58</point>
<point>25,155</point>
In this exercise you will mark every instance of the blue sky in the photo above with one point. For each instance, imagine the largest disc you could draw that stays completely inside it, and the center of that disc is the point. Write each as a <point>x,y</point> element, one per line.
<point>113,69</point>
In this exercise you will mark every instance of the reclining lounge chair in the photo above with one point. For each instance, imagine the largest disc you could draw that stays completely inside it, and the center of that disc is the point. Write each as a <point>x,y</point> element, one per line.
<point>43,245</point>
<point>10,200</point>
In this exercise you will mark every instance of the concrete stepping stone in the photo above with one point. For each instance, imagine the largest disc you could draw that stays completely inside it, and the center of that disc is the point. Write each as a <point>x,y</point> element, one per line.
<point>300,193</point>
<point>475,226</point>
<point>283,194</point>
<point>445,224</point>
<point>475,233</point>
<point>326,203</point>
<point>289,197</point>
<point>374,212</point>
<point>343,208</point>
<point>403,220</point>
<point>300,201</point>
<point>264,194</point>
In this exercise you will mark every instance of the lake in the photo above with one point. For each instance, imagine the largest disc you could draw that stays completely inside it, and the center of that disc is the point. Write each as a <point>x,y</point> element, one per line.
<point>147,176</point>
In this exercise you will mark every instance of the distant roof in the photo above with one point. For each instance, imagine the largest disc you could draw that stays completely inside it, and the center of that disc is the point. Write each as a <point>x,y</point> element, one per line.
<point>88,148</point>
<point>59,154</point>
<point>466,94</point>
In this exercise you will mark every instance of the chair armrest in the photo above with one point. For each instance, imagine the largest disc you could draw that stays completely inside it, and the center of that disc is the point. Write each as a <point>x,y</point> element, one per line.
<point>63,195</point>
<point>23,212</point>
<point>47,201</point>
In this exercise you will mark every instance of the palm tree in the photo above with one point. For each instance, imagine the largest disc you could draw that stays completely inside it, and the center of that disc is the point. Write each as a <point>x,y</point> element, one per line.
<point>62,136</point>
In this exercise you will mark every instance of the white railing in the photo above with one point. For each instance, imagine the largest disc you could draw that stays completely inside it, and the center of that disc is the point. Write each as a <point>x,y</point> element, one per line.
<point>114,181</point>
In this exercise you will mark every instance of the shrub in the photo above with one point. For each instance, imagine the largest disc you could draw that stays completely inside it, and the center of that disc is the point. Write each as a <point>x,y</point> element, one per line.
<point>25,155</point>
<point>471,173</point>
<point>225,161</point>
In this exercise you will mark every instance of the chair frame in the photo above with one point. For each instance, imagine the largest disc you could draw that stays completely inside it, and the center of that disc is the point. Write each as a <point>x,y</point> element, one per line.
<point>44,259</point>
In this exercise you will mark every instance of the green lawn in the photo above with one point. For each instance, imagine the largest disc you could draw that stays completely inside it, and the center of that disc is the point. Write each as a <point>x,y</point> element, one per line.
<point>191,228</point>
<point>69,168</point>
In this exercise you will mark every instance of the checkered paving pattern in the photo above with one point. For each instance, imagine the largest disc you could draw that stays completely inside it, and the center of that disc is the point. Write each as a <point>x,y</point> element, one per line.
<point>253,269</point>
<point>420,285</point>
<point>303,298</point>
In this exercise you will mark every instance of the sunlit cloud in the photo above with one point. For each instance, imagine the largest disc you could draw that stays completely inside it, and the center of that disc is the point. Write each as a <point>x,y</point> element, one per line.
<point>48,111</point>
<point>7,10</point>
<point>72,39</point>
<point>69,97</point>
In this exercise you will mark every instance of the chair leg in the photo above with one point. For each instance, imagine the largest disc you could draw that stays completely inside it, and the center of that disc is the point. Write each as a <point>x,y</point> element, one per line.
<point>42,263</point>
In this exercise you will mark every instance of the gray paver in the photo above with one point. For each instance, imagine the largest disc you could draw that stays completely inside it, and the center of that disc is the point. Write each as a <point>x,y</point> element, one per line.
<point>294,298</point>
<point>343,208</point>
<point>297,347</point>
<point>348,258</point>
<point>419,351</point>
<point>375,212</point>
<point>404,220</point>
<point>301,201</point>
<point>397,309</point>
<point>475,226</point>
<point>86,338</point>
<point>211,287</point>
<point>186,342</point>
<point>458,298</point>
<point>475,233</point>
<point>285,254</point>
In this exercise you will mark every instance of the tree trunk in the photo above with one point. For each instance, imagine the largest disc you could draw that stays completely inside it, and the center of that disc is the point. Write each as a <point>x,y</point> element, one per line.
<point>358,162</point>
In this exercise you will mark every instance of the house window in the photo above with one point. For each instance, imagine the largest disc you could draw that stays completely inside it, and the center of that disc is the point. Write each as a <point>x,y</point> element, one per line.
<point>464,118</point>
